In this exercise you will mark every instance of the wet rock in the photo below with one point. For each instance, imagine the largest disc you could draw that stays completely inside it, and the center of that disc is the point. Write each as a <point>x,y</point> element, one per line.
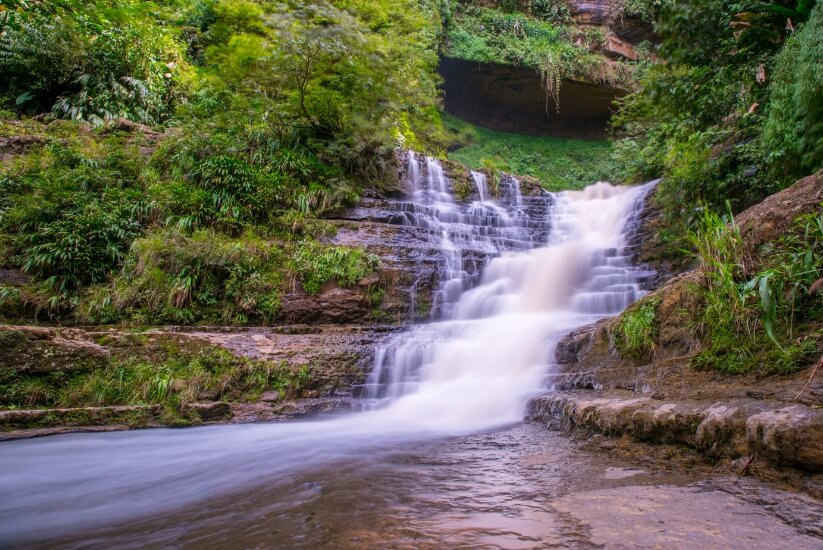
<point>305,407</point>
<point>723,426</point>
<point>792,434</point>
<point>732,429</point>
<point>270,397</point>
<point>209,411</point>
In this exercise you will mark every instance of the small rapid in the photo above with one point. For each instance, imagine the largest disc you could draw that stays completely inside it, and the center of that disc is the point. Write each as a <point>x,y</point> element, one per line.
<point>472,369</point>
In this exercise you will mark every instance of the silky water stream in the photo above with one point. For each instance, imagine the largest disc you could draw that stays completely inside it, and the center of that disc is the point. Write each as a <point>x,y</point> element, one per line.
<point>440,458</point>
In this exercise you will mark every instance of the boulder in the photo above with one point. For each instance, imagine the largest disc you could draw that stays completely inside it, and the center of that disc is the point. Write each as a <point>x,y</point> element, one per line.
<point>270,397</point>
<point>792,434</point>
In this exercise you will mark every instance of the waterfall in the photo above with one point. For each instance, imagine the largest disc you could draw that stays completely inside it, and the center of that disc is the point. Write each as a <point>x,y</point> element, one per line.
<point>471,370</point>
<point>490,351</point>
<point>467,235</point>
<point>518,195</point>
<point>481,184</point>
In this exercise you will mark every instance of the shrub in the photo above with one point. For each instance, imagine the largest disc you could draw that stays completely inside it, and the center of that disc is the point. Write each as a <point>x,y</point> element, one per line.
<point>793,133</point>
<point>169,277</point>
<point>635,333</point>
<point>81,247</point>
<point>552,10</point>
<point>81,64</point>
<point>316,264</point>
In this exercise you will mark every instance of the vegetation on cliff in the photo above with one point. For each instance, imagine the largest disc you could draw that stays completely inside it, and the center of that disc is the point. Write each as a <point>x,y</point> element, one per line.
<point>731,113</point>
<point>541,36</point>
<point>263,116</point>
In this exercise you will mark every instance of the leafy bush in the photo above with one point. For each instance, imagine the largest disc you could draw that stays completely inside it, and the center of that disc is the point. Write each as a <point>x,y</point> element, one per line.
<point>793,132</point>
<point>81,247</point>
<point>91,62</point>
<point>169,277</point>
<point>68,219</point>
<point>316,264</point>
<point>552,10</point>
<point>635,333</point>
<point>697,119</point>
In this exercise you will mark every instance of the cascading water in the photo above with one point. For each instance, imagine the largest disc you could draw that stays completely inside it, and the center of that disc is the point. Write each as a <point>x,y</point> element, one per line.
<point>525,301</point>
<point>473,370</point>
<point>481,183</point>
<point>465,234</point>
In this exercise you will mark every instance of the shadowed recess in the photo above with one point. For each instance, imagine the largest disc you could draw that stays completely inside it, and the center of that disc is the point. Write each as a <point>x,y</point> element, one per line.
<point>512,99</point>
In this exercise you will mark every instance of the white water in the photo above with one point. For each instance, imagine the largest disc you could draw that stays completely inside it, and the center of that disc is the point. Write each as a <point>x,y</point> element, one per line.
<point>473,371</point>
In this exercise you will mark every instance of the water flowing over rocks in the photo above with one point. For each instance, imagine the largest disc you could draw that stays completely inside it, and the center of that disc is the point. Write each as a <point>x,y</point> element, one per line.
<point>660,398</point>
<point>433,244</point>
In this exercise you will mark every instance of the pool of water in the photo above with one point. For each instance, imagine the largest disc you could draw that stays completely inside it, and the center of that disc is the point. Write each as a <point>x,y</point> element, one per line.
<point>520,487</point>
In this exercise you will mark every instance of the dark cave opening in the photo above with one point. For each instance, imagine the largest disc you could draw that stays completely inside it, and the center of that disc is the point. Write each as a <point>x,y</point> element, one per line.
<point>512,99</point>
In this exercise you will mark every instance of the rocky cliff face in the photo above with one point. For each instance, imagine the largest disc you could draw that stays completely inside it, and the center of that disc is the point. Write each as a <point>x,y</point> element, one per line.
<point>625,33</point>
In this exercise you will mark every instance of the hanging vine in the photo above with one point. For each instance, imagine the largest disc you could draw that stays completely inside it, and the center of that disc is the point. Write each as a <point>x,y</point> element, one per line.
<point>550,79</point>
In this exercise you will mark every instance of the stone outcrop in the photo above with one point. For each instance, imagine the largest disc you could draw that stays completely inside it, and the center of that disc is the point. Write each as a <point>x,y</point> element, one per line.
<point>738,431</point>
<point>607,14</point>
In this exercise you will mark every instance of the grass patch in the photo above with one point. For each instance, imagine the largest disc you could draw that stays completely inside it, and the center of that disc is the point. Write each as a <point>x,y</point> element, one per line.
<point>635,334</point>
<point>161,370</point>
<point>756,313</point>
<point>557,162</point>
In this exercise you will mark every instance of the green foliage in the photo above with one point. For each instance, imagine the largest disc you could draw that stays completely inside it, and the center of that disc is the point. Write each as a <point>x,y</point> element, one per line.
<point>543,42</point>
<point>164,371</point>
<point>558,163</point>
<point>635,333</point>
<point>750,320</point>
<point>316,264</point>
<point>557,11</point>
<point>794,124</point>
<point>696,119</point>
<point>646,10</point>
<point>68,217</point>
<point>174,278</point>
<point>91,61</point>
<point>80,247</point>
